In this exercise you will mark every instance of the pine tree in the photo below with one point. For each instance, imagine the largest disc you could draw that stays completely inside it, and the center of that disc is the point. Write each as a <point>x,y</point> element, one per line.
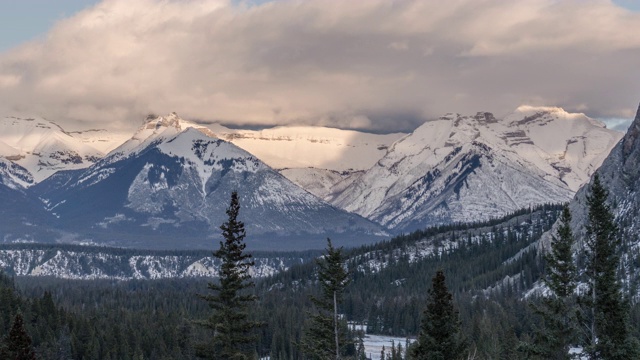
<point>394,353</point>
<point>17,345</point>
<point>360,351</point>
<point>558,309</point>
<point>605,312</point>
<point>326,337</point>
<point>233,331</point>
<point>440,336</point>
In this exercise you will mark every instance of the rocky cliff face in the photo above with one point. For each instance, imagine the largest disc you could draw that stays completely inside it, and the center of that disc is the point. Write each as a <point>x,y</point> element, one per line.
<point>620,174</point>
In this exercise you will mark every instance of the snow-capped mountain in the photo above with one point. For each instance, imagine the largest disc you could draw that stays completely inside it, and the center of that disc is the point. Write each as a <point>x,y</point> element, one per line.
<point>172,178</point>
<point>313,157</point>
<point>155,128</point>
<point>42,147</point>
<point>465,168</point>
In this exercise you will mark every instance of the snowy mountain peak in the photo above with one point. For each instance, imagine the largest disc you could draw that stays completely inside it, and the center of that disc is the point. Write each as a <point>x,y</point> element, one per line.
<point>157,128</point>
<point>155,122</point>
<point>485,118</point>
<point>529,115</point>
<point>173,120</point>
<point>42,147</point>
<point>159,124</point>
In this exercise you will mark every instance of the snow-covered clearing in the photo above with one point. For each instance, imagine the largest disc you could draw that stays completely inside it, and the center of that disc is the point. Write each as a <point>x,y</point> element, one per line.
<point>373,345</point>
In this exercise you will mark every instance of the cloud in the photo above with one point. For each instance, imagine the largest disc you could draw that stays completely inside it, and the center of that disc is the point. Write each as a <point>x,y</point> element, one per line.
<point>617,124</point>
<point>375,64</point>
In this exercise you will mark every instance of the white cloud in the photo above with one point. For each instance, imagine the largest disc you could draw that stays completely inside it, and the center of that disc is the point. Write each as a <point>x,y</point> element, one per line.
<point>365,64</point>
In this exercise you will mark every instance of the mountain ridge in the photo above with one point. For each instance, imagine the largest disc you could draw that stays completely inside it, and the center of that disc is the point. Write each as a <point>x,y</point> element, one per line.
<point>424,172</point>
<point>43,147</point>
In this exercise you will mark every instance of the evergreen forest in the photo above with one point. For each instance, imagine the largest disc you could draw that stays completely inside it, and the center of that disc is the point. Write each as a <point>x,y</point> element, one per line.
<point>480,274</point>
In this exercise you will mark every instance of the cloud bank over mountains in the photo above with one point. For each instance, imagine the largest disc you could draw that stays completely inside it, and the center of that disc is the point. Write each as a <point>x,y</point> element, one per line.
<point>375,64</point>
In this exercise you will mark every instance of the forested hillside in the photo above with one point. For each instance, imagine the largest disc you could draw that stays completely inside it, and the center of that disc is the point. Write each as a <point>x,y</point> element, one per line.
<point>488,266</point>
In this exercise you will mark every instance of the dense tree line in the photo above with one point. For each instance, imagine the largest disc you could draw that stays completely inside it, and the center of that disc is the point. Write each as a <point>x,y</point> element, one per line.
<point>154,317</point>
<point>487,270</point>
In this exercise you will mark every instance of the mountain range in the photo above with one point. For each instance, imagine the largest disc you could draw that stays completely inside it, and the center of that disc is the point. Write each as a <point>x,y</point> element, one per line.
<point>172,180</point>
<point>167,186</point>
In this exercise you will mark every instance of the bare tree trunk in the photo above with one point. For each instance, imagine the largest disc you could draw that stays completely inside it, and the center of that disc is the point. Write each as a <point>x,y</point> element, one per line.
<point>593,303</point>
<point>335,324</point>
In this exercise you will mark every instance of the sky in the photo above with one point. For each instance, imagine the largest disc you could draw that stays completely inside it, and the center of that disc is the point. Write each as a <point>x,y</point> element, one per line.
<point>375,65</point>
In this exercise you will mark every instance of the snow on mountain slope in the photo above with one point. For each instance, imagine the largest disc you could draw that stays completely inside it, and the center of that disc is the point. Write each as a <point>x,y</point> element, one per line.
<point>101,139</point>
<point>43,147</point>
<point>462,168</point>
<point>309,146</point>
<point>315,158</point>
<point>167,183</point>
<point>322,183</point>
<point>9,152</point>
<point>90,263</point>
<point>14,176</point>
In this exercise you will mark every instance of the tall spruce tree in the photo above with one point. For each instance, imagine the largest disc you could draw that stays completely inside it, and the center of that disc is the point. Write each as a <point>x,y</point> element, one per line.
<point>558,309</point>
<point>326,336</point>
<point>233,331</point>
<point>605,314</point>
<point>440,336</point>
<point>17,344</point>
